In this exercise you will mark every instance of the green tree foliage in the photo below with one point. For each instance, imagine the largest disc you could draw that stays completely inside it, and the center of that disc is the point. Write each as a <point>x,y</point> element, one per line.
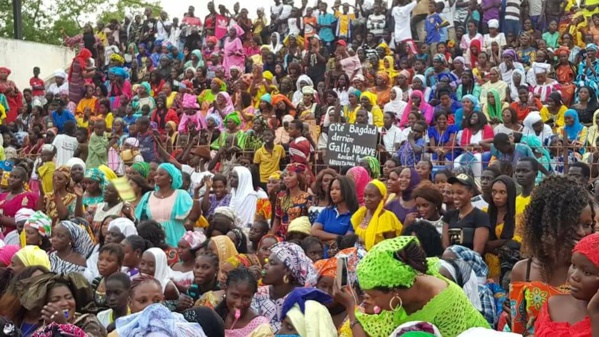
<point>45,21</point>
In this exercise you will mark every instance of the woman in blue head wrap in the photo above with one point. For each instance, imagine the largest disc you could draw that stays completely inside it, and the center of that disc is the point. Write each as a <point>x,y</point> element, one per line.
<point>354,105</point>
<point>574,130</point>
<point>469,104</point>
<point>168,204</point>
<point>118,85</point>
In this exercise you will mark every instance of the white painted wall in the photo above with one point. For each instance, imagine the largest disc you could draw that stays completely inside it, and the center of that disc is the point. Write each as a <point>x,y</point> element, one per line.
<point>21,56</point>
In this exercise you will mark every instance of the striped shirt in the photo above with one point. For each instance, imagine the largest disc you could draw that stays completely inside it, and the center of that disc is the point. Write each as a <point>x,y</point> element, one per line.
<point>512,9</point>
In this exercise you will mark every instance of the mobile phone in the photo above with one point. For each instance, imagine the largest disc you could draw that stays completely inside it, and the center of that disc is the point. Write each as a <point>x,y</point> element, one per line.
<point>455,236</point>
<point>342,272</point>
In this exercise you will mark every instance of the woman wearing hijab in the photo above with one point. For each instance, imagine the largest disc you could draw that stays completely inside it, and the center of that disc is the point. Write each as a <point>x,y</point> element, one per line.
<point>222,106</point>
<point>143,97</point>
<point>361,178</point>
<point>61,203</point>
<point>154,263</point>
<point>419,83</point>
<point>381,89</point>
<point>468,86</point>
<point>534,126</point>
<point>372,223</point>
<point>71,244</point>
<point>469,104</point>
<point>288,268</point>
<point>243,195</point>
<point>302,81</point>
<point>575,131</point>
<point>29,256</point>
<point>196,60</point>
<point>417,100</point>
<point>495,82</point>
<point>78,72</point>
<point>369,103</point>
<point>494,107</point>
<point>517,80</point>
<point>305,309</point>
<point>168,204</point>
<point>586,104</point>
<point>233,50</point>
<point>565,74</point>
<point>397,105</point>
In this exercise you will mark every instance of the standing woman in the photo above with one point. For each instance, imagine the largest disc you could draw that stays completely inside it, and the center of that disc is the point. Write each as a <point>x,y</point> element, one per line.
<point>168,205</point>
<point>288,267</point>
<point>565,73</point>
<point>558,217</point>
<point>294,201</point>
<point>442,139</point>
<point>502,212</point>
<point>473,223</point>
<point>78,73</point>
<point>233,51</point>
<point>71,245</point>
<point>62,203</point>
<point>372,223</point>
<point>14,199</point>
<point>575,131</point>
<point>401,183</point>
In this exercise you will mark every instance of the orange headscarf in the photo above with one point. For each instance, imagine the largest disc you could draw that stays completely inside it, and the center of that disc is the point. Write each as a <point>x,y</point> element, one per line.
<point>282,98</point>
<point>82,57</point>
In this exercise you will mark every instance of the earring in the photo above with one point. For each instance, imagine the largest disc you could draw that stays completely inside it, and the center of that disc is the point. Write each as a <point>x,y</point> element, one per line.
<point>391,303</point>
<point>285,279</point>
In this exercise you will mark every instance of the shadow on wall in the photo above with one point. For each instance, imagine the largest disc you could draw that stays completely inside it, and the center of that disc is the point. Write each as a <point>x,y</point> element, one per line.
<point>21,56</point>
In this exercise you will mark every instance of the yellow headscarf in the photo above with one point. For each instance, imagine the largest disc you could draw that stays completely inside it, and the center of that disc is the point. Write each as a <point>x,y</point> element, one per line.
<point>300,225</point>
<point>391,69</point>
<point>371,97</point>
<point>225,248</point>
<point>108,173</point>
<point>33,256</point>
<point>381,222</point>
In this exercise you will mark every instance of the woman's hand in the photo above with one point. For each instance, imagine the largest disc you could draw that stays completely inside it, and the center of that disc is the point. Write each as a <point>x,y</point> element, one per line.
<point>185,302</point>
<point>78,191</point>
<point>51,313</point>
<point>343,296</point>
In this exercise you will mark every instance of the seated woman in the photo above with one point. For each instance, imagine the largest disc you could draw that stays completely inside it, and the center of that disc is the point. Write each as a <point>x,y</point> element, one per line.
<point>573,314</point>
<point>29,256</point>
<point>240,320</point>
<point>553,112</point>
<point>205,289</point>
<point>61,299</point>
<point>335,220</point>
<point>37,231</point>
<point>188,246</point>
<point>153,263</point>
<point>288,268</point>
<point>71,244</point>
<point>494,107</point>
<point>475,131</point>
<point>372,223</point>
<point>550,230</point>
<point>574,131</point>
<point>509,122</point>
<point>118,289</point>
<point>304,311</point>
<point>421,294</point>
<point>155,319</point>
<point>472,223</point>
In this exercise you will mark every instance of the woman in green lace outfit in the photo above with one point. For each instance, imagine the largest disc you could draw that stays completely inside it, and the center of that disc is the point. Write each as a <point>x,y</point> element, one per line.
<point>402,285</point>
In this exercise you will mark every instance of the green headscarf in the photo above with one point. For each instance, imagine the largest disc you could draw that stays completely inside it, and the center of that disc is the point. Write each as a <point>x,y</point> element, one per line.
<point>96,175</point>
<point>177,178</point>
<point>233,116</point>
<point>142,168</point>
<point>373,165</point>
<point>381,268</point>
<point>494,111</point>
<point>148,88</point>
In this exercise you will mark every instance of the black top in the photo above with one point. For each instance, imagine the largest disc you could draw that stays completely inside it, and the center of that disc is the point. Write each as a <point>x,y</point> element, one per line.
<point>474,219</point>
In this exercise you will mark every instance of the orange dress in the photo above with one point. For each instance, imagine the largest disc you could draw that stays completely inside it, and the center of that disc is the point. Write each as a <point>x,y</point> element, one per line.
<point>565,76</point>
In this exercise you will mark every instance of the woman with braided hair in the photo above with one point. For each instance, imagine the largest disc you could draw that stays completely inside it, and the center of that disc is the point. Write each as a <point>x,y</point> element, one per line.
<point>559,215</point>
<point>402,285</point>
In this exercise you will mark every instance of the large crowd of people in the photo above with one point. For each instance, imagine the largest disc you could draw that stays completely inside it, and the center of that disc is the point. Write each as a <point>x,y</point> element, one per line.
<point>176,179</point>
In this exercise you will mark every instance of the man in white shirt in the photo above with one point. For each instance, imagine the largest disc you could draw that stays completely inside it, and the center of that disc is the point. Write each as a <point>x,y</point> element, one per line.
<point>162,27</point>
<point>66,143</point>
<point>402,16</point>
<point>449,14</point>
<point>60,84</point>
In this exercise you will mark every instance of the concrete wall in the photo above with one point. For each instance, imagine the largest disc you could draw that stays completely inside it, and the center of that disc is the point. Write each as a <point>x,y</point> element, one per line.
<point>21,56</point>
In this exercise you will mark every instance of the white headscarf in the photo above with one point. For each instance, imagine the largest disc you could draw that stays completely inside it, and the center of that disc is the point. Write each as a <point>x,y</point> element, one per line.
<point>315,321</point>
<point>244,197</point>
<point>397,106</point>
<point>532,118</point>
<point>513,87</point>
<point>162,272</point>
<point>126,226</point>
<point>76,161</point>
<point>470,285</point>
<point>298,95</point>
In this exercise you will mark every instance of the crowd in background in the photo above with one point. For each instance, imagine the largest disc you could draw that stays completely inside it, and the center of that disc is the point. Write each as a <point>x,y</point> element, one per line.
<point>174,178</point>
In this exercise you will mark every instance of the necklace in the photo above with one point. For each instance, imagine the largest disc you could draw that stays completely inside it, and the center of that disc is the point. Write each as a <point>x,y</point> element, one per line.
<point>159,195</point>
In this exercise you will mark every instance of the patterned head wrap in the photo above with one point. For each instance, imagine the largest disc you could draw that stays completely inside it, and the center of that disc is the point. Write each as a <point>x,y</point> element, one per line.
<point>33,256</point>
<point>472,258</point>
<point>439,58</point>
<point>296,167</point>
<point>215,118</point>
<point>233,116</point>
<point>66,171</point>
<point>230,213</point>
<point>224,247</point>
<point>40,222</point>
<point>126,226</point>
<point>294,258</point>
<point>326,267</point>
<point>33,291</point>
<point>174,173</point>
<point>374,165</point>
<point>117,58</point>
<point>383,267</point>
<point>96,175</point>
<point>563,50</point>
<point>142,168</point>
<point>194,239</point>
<point>23,214</point>
<point>82,241</point>
<point>243,259</point>
<point>588,247</point>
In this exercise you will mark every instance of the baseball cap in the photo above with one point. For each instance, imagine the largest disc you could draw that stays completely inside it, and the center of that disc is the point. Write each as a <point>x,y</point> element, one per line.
<point>462,179</point>
<point>342,43</point>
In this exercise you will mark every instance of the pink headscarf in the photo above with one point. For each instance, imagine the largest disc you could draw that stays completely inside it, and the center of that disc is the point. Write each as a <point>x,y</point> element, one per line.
<point>360,177</point>
<point>239,30</point>
<point>425,109</point>
<point>7,252</point>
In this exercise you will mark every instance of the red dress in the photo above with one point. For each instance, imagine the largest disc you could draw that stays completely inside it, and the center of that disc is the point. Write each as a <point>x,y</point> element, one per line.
<point>10,207</point>
<point>545,327</point>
